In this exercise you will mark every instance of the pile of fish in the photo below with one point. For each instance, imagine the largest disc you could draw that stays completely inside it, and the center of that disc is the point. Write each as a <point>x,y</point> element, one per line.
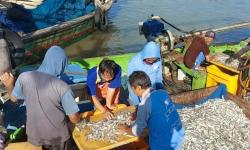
<point>106,129</point>
<point>217,124</point>
<point>221,58</point>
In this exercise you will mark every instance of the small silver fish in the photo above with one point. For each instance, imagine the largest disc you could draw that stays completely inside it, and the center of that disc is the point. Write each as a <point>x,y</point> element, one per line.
<point>106,129</point>
<point>217,124</point>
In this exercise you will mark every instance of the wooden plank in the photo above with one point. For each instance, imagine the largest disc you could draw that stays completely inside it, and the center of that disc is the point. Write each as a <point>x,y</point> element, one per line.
<point>84,144</point>
<point>245,106</point>
<point>22,146</point>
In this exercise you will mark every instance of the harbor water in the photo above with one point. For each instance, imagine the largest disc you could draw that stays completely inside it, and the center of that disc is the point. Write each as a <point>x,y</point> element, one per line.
<point>123,34</point>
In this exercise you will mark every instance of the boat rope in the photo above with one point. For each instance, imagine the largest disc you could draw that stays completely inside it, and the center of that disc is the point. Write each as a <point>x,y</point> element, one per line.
<point>178,29</point>
<point>201,31</point>
<point>170,24</point>
<point>238,25</point>
<point>243,84</point>
<point>220,29</point>
<point>101,19</point>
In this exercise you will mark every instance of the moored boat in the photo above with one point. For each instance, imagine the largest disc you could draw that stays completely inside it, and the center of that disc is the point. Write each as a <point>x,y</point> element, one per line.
<point>62,34</point>
<point>61,30</point>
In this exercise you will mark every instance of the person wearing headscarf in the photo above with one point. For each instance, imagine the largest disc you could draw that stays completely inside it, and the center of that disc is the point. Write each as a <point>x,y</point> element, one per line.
<point>149,61</point>
<point>49,101</point>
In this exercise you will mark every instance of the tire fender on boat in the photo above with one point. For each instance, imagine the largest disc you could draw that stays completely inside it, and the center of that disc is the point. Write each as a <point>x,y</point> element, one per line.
<point>101,19</point>
<point>15,47</point>
<point>170,39</point>
<point>5,61</point>
<point>101,13</point>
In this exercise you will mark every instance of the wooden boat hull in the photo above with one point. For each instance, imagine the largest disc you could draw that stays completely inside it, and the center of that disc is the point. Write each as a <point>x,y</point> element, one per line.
<point>36,43</point>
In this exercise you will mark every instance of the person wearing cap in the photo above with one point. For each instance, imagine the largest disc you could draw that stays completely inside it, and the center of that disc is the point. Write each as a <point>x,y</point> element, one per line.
<point>149,61</point>
<point>198,51</point>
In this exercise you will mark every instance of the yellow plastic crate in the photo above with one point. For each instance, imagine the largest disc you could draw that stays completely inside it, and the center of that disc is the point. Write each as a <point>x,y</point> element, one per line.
<point>218,74</point>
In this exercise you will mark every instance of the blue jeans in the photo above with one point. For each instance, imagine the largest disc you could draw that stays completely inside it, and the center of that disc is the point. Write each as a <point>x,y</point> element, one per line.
<point>199,59</point>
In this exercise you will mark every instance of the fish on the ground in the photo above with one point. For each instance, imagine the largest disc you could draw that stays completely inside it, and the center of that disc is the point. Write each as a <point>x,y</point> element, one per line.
<point>217,124</point>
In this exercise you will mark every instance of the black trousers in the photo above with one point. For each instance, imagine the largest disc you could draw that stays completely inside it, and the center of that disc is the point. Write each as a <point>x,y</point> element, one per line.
<point>62,146</point>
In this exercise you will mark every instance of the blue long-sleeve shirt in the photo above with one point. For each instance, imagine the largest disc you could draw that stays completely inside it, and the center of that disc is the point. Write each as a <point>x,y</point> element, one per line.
<point>157,113</point>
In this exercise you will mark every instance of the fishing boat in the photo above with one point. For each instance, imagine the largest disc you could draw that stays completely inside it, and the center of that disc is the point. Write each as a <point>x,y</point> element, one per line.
<point>179,96</point>
<point>172,61</point>
<point>69,32</point>
<point>61,34</point>
<point>80,90</point>
<point>64,33</point>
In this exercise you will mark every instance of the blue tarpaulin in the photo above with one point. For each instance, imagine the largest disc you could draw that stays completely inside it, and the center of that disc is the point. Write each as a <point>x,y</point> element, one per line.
<point>56,11</point>
<point>49,13</point>
<point>74,74</point>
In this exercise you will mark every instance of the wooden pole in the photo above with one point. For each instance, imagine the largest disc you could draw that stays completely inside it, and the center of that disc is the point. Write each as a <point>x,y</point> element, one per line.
<point>221,29</point>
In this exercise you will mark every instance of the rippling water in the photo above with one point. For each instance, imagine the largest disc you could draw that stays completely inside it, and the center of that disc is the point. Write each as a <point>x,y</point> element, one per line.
<point>123,35</point>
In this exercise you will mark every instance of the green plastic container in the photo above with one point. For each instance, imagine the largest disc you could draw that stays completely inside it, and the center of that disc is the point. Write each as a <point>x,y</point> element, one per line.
<point>198,78</point>
<point>88,63</point>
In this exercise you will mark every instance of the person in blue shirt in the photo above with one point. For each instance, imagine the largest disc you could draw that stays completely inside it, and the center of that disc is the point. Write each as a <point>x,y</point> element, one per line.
<point>49,101</point>
<point>103,83</point>
<point>149,61</point>
<point>157,113</point>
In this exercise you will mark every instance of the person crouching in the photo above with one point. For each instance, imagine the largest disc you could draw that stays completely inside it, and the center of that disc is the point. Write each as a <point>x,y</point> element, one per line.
<point>103,83</point>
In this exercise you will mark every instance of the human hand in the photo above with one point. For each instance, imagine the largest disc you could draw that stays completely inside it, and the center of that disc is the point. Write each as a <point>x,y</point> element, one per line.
<point>81,124</point>
<point>132,117</point>
<point>108,115</point>
<point>209,57</point>
<point>195,74</point>
<point>111,107</point>
<point>122,127</point>
<point>7,78</point>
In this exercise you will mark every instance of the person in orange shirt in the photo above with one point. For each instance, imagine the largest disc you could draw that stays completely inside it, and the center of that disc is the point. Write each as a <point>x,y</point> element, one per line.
<point>103,83</point>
